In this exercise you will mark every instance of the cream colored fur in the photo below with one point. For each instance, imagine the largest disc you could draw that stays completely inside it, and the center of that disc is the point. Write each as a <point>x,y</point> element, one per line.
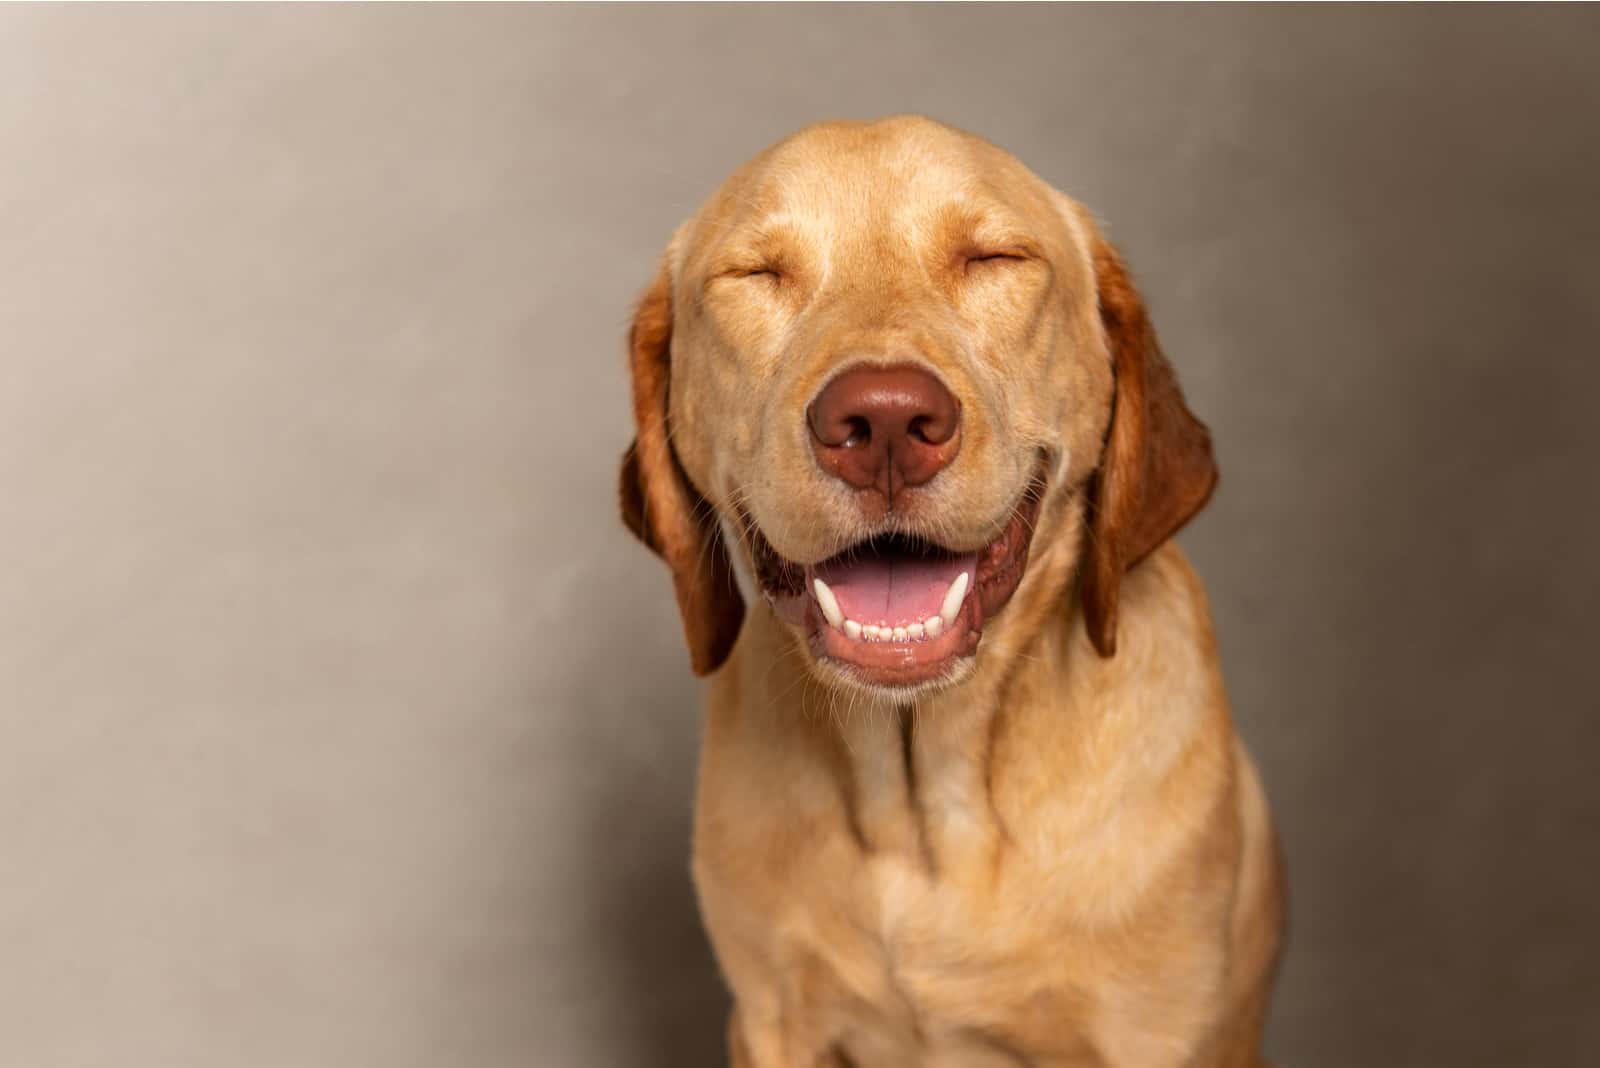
<point>1058,858</point>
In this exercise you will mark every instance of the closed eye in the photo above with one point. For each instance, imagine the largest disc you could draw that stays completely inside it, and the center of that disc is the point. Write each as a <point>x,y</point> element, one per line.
<point>767,273</point>
<point>752,278</point>
<point>996,257</point>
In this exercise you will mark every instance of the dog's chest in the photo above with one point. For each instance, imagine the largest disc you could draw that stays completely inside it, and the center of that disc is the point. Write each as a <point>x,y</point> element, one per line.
<point>927,933</point>
<point>920,939</point>
<point>907,964</point>
<point>923,918</point>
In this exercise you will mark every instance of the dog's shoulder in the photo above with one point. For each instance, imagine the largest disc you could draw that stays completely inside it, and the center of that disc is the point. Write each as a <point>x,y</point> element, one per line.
<point>1165,614</point>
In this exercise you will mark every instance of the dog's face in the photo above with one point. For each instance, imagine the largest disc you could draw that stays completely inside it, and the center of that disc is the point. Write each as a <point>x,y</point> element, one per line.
<point>869,358</point>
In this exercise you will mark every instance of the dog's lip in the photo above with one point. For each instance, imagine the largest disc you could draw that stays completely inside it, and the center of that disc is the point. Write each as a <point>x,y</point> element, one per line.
<point>893,663</point>
<point>993,573</point>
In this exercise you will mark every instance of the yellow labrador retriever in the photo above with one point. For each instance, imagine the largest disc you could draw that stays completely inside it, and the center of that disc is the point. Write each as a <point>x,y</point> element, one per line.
<point>969,791</point>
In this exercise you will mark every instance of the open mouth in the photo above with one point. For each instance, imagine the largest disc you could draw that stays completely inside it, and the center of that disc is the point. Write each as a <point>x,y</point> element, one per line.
<point>897,609</point>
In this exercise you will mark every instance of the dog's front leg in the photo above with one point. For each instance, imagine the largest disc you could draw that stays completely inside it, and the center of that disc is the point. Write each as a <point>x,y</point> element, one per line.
<point>757,1043</point>
<point>753,1044</point>
<point>738,1051</point>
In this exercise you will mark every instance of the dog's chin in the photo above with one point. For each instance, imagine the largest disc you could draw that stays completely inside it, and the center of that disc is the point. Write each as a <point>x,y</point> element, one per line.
<point>898,615</point>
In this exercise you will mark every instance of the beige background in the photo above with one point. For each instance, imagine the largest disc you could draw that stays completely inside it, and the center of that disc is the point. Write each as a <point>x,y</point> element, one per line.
<point>342,726</point>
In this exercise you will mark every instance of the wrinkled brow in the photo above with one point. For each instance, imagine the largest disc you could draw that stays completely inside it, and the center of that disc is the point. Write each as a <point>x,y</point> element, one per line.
<point>977,227</point>
<point>773,243</point>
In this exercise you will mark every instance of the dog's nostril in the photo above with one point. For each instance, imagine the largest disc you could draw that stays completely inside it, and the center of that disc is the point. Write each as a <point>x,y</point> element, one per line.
<point>885,427</point>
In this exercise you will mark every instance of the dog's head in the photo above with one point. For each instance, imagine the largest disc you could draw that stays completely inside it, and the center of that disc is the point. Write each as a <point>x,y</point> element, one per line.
<point>885,359</point>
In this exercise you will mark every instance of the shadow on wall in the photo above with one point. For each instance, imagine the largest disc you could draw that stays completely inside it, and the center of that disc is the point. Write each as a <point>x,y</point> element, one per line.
<point>664,994</point>
<point>1430,582</point>
<point>671,1006</point>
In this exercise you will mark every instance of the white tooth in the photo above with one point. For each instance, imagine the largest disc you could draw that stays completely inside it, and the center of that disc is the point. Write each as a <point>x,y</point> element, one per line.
<point>916,630</point>
<point>829,603</point>
<point>899,634</point>
<point>953,598</point>
<point>870,631</point>
<point>852,630</point>
<point>933,626</point>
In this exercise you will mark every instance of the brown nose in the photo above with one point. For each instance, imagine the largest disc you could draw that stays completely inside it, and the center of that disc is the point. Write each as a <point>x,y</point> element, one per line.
<point>885,428</point>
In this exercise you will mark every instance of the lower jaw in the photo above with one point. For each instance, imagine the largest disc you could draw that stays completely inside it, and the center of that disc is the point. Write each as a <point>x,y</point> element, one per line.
<point>915,664</point>
<point>899,664</point>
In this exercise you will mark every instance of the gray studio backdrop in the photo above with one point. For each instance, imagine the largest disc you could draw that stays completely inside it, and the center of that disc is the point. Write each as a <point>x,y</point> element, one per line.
<point>341,725</point>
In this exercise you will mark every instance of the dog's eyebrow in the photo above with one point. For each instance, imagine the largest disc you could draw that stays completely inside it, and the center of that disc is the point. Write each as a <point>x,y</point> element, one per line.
<point>968,225</point>
<point>769,243</point>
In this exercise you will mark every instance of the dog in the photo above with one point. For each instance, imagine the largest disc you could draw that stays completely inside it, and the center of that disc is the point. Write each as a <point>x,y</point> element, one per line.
<point>969,790</point>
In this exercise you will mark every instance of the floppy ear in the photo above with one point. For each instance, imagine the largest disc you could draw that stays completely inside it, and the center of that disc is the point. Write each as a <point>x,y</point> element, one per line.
<point>1157,470</point>
<point>660,505</point>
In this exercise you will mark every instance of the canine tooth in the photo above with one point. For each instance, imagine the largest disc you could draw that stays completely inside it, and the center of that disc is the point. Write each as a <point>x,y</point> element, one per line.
<point>953,598</point>
<point>900,634</point>
<point>829,603</point>
<point>933,626</point>
<point>852,629</point>
<point>916,630</point>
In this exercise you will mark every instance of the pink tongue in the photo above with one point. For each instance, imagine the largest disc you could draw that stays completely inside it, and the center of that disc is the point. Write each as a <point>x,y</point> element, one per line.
<point>892,590</point>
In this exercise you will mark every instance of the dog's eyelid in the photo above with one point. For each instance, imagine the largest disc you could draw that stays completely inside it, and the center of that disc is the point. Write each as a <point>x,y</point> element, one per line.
<point>1001,255</point>
<point>737,272</point>
<point>997,243</point>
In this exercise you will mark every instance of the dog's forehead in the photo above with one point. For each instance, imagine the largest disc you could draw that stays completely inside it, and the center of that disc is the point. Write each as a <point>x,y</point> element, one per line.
<point>888,176</point>
<point>887,160</point>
